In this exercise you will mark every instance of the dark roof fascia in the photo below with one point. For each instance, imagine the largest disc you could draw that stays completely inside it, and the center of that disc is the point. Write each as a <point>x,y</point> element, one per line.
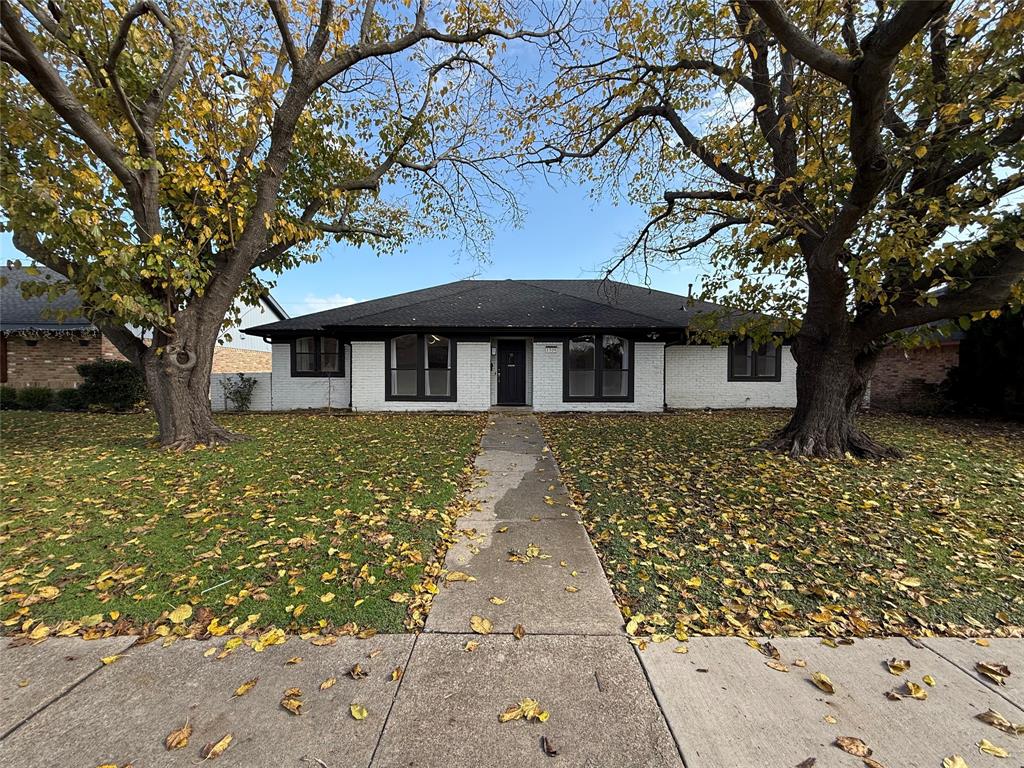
<point>370,333</point>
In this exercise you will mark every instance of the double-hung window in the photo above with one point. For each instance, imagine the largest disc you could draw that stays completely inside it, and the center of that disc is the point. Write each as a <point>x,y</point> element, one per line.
<point>598,367</point>
<point>420,366</point>
<point>317,356</point>
<point>748,362</point>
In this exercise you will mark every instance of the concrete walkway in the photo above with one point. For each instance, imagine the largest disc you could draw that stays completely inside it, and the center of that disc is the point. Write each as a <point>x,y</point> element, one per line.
<point>716,706</point>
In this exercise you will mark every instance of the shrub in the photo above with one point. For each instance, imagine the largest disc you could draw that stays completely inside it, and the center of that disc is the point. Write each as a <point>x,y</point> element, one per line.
<point>8,398</point>
<point>111,384</point>
<point>69,400</point>
<point>35,398</point>
<point>239,391</point>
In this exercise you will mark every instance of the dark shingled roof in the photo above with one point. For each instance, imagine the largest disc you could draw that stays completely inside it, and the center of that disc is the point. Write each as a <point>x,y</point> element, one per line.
<point>505,304</point>
<point>37,313</point>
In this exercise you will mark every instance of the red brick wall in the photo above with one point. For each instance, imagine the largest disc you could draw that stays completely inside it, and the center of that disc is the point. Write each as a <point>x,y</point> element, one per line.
<point>227,360</point>
<point>906,378</point>
<point>51,362</point>
<point>109,351</point>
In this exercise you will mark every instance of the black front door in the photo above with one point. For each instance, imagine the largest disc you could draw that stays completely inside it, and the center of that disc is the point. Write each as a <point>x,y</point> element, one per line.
<point>511,371</point>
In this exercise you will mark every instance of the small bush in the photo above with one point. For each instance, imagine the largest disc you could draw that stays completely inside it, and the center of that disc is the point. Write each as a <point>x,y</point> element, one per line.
<point>35,398</point>
<point>69,400</point>
<point>238,391</point>
<point>8,398</point>
<point>113,385</point>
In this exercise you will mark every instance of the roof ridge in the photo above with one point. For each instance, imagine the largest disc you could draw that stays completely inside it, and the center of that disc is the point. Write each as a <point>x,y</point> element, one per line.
<point>649,318</point>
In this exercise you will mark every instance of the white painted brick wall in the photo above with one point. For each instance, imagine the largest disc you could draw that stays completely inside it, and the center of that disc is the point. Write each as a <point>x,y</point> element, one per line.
<point>472,376</point>
<point>294,393</point>
<point>260,393</point>
<point>648,381</point>
<point>698,377</point>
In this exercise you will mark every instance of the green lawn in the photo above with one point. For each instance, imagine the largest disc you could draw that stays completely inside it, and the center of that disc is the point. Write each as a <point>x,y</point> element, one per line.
<point>699,533</point>
<point>98,526</point>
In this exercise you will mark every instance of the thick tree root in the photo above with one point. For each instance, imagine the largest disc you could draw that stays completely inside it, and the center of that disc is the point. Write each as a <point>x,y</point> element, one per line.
<point>800,442</point>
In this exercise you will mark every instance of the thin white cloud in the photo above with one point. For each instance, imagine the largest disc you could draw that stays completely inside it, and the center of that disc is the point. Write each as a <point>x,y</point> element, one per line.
<point>314,303</point>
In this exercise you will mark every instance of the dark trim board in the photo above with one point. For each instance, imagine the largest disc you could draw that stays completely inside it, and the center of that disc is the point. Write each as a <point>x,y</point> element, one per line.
<point>549,334</point>
<point>421,354</point>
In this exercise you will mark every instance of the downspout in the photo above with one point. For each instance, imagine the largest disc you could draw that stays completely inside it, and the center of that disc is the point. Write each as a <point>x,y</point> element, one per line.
<point>270,341</point>
<point>664,377</point>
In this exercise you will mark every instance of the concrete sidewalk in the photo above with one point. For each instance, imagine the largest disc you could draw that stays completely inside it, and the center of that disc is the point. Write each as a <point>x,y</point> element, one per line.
<point>716,706</point>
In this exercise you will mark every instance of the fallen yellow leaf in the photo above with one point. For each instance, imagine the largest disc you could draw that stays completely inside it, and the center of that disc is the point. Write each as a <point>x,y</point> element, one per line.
<point>216,749</point>
<point>528,709</point>
<point>178,739</point>
<point>245,687</point>
<point>916,691</point>
<point>853,746</point>
<point>989,748</point>
<point>180,614</point>
<point>821,680</point>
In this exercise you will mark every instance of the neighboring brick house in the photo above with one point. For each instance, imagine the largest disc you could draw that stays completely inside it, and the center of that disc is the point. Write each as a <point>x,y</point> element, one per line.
<point>38,350</point>
<point>908,379</point>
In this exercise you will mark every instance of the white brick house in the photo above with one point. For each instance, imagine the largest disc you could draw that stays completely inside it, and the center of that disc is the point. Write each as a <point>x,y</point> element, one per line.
<point>549,345</point>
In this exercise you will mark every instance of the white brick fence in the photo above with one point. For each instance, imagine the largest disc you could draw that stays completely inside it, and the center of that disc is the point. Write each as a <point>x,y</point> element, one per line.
<point>262,399</point>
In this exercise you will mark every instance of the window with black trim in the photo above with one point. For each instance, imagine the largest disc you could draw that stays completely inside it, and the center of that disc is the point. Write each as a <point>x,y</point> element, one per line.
<point>748,362</point>
<point>317,356</point>
<point>598,367</point>
<point>420,366</point>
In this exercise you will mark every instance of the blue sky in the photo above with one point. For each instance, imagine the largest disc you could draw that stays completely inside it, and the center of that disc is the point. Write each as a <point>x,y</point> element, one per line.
<point>566,234</point>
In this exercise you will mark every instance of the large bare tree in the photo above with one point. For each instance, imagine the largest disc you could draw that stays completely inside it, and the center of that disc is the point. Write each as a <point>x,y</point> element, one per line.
<point>852,166</point>
<point>161,154</point>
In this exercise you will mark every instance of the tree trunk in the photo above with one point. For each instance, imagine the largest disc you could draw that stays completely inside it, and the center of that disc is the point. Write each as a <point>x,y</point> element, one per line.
<point>831,379</point>
<point>177,373</point>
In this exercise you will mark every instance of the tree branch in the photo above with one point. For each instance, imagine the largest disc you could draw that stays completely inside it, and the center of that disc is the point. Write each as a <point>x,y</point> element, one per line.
<point>34,67</point>
<point>281,19</point>
<point>800,45</point>
<point>1004,270</point>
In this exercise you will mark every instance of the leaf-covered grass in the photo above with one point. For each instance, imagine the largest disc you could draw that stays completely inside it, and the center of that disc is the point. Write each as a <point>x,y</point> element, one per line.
<point>700,533</point>
<point>96,521</point>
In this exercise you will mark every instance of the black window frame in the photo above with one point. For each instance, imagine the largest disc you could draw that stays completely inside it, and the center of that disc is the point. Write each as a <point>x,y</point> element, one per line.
<point>316,373</point>
<point>733,376</point>
<point>421,368</point>
<point>598,371</point>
